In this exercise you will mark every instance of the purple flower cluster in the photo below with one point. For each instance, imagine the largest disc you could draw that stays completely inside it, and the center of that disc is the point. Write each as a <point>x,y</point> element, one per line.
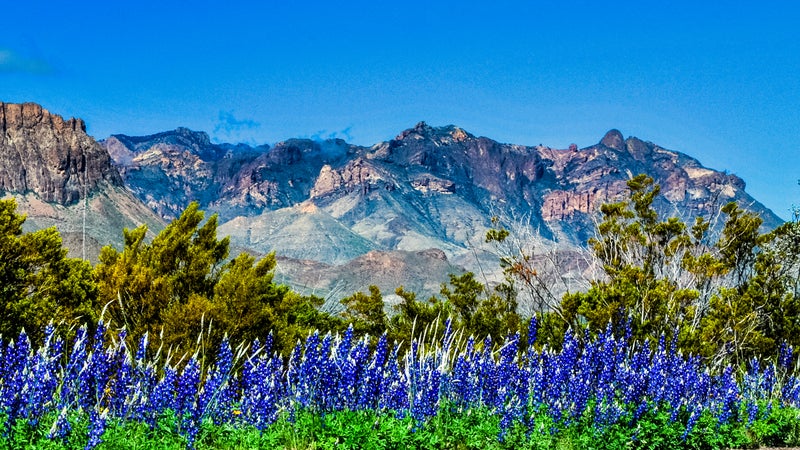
<point>606,379</point>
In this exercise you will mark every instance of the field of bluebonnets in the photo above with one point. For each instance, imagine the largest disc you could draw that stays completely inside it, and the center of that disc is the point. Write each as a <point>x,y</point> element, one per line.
<point>339,392</point>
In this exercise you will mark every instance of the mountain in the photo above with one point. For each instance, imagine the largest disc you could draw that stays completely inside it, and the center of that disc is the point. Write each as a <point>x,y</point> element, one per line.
<point>62,177</point>
<point>406,211</point>
<point>330,202</point>
<point>168,170</point>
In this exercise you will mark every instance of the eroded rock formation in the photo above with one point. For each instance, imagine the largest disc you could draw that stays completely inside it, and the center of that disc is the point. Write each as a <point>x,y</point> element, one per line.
<point>49,156</point>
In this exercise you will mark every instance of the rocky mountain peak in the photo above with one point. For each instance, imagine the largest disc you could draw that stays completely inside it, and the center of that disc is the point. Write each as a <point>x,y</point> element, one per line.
<point>197,143</point>
<point>30,115</point>
<point>613,139</point>
<point>420,131</point>
<point>50,156</point>
<point>440,135</point>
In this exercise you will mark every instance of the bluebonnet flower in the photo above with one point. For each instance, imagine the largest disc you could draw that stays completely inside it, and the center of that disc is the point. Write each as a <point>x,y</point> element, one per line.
<point>40,379</point>
<point>17,360</point>
<point>61,426</point>
<point>121,383</point>
<point>394,386</point>
<point>163,396</point>
<point>186,399</point>
<point>694,416</point>
<point>215,397</point>
<point>785,356</point>
<point>97,426</point>
<point>331,373</point>
<point>729,395</point>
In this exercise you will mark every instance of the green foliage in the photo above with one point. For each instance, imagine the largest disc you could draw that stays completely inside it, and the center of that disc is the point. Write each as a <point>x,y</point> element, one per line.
<point>759,308</point>
<point>473,309</point>
<point>477,428</point>
<point>181,288</point>
<point>728,300</point>
<point>639,254</point>
<point>146,281</point>
<point>779,428</point>
<point>412,316</point>
<point>38,282</point>
<point>366,312</point>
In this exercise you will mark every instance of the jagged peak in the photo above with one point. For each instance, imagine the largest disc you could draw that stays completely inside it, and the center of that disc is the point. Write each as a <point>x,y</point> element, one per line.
<point>167,137</point>
<point>424,131</point>
<point>613,139</point>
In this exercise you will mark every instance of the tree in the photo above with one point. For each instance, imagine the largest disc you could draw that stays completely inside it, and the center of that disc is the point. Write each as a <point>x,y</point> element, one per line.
<point>252,305</point>
<point>366,312</point>
<point>479,311</point>
<point>413,317</point>
<point>145,280</point>
<point>181,288</point>
<point>536,273</point>
<point>38,282</point>
<point>758,308</point>
<point>642,260</point>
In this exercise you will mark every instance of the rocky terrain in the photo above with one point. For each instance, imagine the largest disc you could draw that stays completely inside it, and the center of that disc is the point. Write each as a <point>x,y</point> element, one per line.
<point>331,209</point>
<point>428,187</point>
<point>52,157</point>
<point>331,202</point>
<point>62,177</point>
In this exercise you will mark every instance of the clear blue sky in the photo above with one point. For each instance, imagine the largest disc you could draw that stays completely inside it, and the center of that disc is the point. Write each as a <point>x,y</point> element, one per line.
<point>719,81</point>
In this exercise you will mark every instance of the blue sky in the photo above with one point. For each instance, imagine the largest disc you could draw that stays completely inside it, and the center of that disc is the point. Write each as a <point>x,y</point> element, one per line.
<point>719,83</point>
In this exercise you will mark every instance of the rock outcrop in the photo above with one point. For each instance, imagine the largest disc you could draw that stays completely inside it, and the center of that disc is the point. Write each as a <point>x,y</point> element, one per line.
<point>53,158</point>
<point>60,176</point>
<point>356,176</point>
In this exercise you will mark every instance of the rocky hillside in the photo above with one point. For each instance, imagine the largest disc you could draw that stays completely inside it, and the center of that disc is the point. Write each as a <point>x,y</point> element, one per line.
<point>435,185</point>
<point>49,156</point>
<point>429,187</point>
<point>50,166</point>
<point>170,169</point>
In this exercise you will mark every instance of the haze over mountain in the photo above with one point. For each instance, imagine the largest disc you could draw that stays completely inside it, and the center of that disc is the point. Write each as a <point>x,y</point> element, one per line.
<point>333,210</point>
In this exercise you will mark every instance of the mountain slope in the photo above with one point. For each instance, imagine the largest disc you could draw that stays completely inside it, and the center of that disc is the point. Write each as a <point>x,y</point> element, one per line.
<point>337,212</point>
<point>61,177</point>
<point>430,187</point>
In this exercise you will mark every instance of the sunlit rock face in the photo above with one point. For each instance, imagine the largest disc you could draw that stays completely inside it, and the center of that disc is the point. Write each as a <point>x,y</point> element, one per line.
<point>47,155</point>
<point>60,176</point>
<point>427,187</point>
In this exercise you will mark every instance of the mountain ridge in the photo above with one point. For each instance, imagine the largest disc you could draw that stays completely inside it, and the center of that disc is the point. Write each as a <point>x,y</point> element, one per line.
<point>334,202</point>
<point>437,187</point>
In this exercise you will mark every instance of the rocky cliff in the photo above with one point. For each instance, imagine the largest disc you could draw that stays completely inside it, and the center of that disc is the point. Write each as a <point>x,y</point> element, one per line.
<point>53,158</point>
<point>62,177</point>
<point>429,187</point>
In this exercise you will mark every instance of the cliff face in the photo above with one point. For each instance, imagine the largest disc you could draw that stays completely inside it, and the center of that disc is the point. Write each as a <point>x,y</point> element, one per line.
<point>589,177</point>
<point>170,169</point>
<point>49,165</point>
<point>54,158</point>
